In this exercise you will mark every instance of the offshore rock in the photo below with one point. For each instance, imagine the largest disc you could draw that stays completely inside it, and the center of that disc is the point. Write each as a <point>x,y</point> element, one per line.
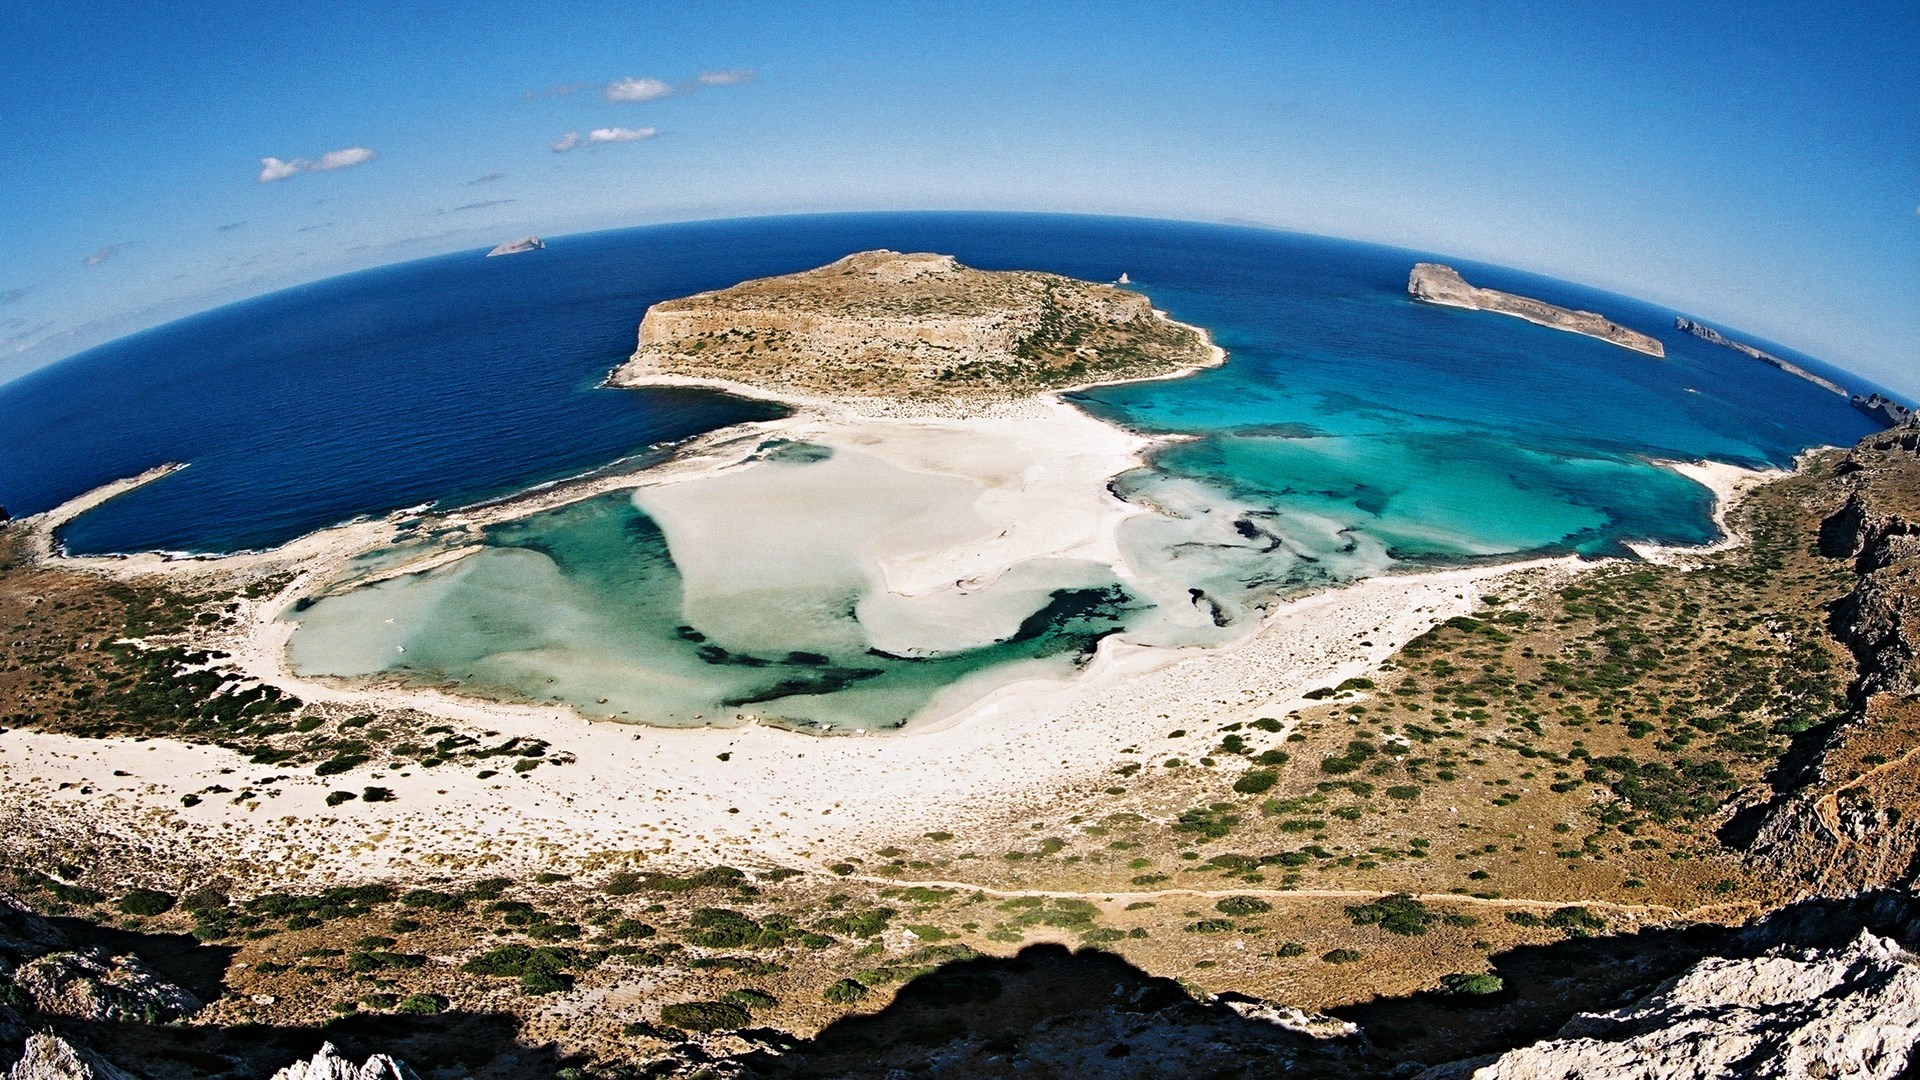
<point>1438,284</point>
<point>1814,1014</point>
<point>515,247</point>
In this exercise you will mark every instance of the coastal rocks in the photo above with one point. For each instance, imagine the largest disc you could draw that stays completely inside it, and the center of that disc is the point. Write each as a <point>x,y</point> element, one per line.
<point>1880,407</point>
<point>515,247</point>
<point>329,1064</point>
<point>1852,1011</point>
<point>46,1056</point>
<point>1438,284</point>
<point>919,327</point>
<point>91,985</point>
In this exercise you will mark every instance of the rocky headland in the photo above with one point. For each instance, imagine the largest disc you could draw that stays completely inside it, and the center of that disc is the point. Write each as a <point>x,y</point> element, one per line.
<point>1438,284</point>
<point>913,327</point>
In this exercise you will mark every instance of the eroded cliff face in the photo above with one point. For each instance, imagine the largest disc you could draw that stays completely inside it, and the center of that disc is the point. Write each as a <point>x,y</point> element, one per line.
<point>1849,818</point>
<point>1438,284</point>
<point>912,326</point>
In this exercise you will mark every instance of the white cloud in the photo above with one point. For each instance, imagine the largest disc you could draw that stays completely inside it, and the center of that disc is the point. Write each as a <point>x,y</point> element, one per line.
<point>723,78</point>
<point>573,141</point>
<point>619,134</point>
<point>632,89</point>
<point>272,168</point>
<point>102,255</point>
<point>343,159</point>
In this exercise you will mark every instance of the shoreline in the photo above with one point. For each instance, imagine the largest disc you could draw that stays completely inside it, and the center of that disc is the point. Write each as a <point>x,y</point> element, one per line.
<point>775,794</point>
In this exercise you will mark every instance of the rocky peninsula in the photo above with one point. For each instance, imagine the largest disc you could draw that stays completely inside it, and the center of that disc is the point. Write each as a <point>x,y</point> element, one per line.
<point>915,328</point>
<point>1438,284</point>
<point>1708,333</point>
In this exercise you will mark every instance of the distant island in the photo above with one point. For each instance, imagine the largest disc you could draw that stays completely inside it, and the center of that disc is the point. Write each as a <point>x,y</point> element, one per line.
<point>1880,407</point>
<point>1438,284</point>
<point>920,327</point>
<point>1708,333</point>
<point>515,247</point>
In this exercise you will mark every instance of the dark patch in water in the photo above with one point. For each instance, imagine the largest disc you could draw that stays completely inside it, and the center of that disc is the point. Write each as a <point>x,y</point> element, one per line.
<point>825,681</point>
<point>808,659</point>
<point>688,633</point>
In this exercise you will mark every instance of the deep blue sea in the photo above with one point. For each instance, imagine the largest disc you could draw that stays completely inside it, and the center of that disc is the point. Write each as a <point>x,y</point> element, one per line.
<point>1439,433</point>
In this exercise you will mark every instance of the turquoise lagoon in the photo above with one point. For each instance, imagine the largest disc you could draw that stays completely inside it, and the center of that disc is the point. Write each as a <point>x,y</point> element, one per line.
<point>1352,432</point>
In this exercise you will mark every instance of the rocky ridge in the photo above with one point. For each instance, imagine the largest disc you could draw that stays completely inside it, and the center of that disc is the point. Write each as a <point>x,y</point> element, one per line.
<point>882,324</point>
<point>1708,333</point>
<point>1845,821</point>
<point>1852,1011</point>
<point>1439,284</point>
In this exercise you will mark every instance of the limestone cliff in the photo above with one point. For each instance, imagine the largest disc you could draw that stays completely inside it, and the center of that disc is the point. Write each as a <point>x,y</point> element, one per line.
<point>912,326</point>
<point>1849,819</point>
<point>1439,284</point>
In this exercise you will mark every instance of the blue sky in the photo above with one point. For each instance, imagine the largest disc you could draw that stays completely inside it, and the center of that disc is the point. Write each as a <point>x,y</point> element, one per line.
<point>1756,164</point>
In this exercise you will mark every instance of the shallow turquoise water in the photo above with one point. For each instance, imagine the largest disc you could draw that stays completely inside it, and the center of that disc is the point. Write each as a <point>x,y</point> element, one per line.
<point>584,606</point>
<point>1353,431</point>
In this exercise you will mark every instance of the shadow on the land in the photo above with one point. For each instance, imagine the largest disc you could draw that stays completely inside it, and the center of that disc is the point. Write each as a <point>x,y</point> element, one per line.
<point>463,1044</point>
<point>1051,1012</point>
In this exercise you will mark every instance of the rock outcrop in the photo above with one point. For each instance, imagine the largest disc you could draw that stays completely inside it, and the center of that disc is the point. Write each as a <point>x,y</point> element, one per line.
<point>515,247</point>
<point>881,324</point>
<point>88,984</point>
<point>1880,407</point>
<point>47,1056</point>
<point>330,1064</point>
<point>1813,1014</point>
<point>1438,284</point>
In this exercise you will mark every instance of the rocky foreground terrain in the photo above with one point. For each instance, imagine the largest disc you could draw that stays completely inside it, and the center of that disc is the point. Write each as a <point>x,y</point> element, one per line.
<point>914,327</point>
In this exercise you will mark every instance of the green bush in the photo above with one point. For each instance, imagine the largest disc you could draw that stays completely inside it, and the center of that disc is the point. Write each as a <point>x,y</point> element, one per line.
<point>1242,905</point>
<point>1256,781</point>
<point>1398,913</point>
<point>1403,792</point>
<point>376,794</point>
<point>1466,983</point>
<point>749,998</point>
<point>339,763</point>
<point>845,992</point>
<point>542,982</point>
<point>335,798</point>
<point>520,960</point>
<point>146,902</point>
<point>421,1004</point>
<point>705,1015</point>
<point>1342,956</point>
